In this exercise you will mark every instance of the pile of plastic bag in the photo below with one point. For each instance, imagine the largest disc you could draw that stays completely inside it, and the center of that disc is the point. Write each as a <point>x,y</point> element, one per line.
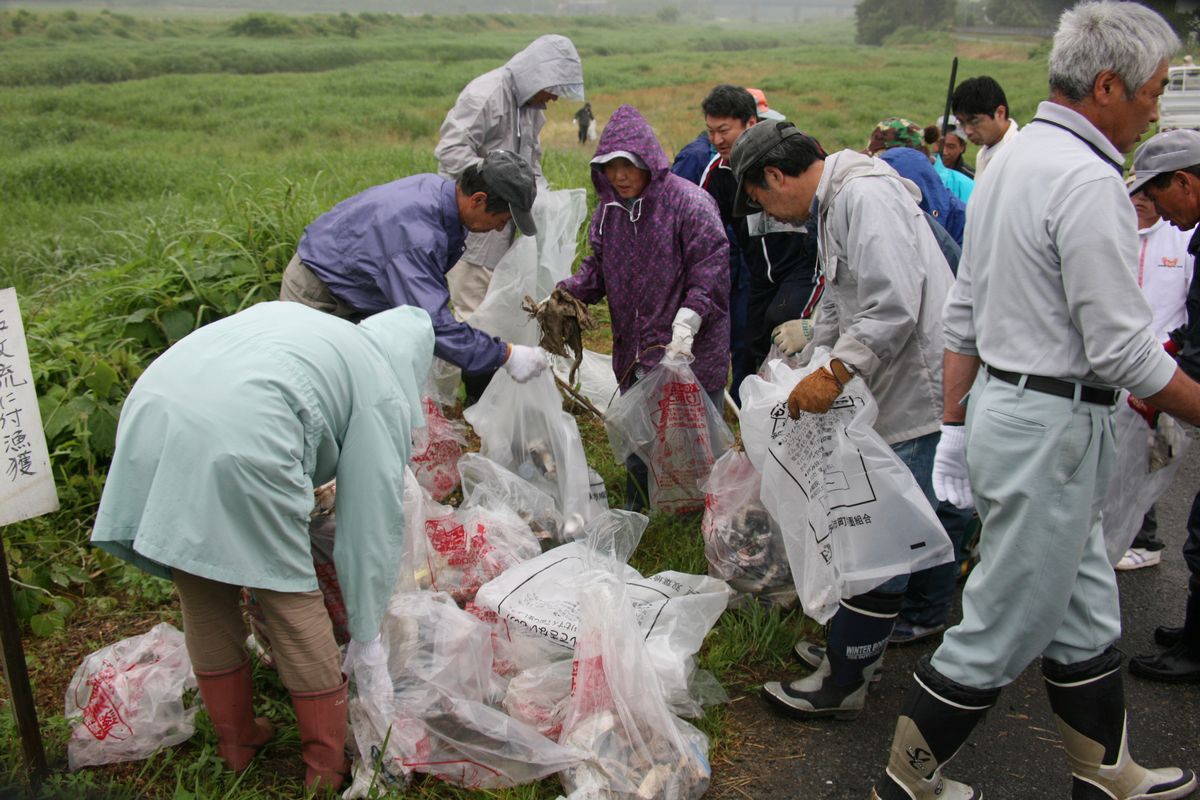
<point>436,450</point>
<point>570,662</point>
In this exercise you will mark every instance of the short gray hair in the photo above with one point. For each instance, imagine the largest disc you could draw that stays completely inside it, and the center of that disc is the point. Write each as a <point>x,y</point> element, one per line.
<point>1127,38</point>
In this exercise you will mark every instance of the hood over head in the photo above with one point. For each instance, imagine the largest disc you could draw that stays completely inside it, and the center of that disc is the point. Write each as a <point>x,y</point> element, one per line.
<point>404,335</point>
<point>627,130</point>
<point>549,62</point>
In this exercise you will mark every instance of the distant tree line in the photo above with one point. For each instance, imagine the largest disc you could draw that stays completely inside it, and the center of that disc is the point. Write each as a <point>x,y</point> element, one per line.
<point>878,19</point>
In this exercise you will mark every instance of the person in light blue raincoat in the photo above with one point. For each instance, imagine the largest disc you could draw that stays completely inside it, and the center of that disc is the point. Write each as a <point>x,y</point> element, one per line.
<point>219,446</point>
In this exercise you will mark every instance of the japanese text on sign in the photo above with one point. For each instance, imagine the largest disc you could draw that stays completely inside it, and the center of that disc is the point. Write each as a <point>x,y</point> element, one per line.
<point>26,483</point>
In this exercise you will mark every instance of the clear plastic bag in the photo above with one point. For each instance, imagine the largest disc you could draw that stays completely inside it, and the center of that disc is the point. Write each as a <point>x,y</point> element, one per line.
<point>532,266</point>
<point>539,695</point>
<point>467,548</point>
<point>436,450</point>
<point>617,713</point>
<point>594,380</point>
<point>1137,482</point>
<point>536,605</point>
<point>443,382</point>
<point>667,420</point>
<point>523,427</point>
<point>852,514</point>
<point>430,713</point>
<point>125,700</point>
<point>488,485</point>
<point>743,543</point>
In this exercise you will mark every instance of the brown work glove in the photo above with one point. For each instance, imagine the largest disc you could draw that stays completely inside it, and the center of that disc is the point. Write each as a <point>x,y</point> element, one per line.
<point>816,392</point>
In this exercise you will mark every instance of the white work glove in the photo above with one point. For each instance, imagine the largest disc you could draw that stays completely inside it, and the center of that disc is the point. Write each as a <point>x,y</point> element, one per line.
<point>950,480</point>
<point>525,363</point>
<point>791,336</point>
<point>370,654</point>
<point>683,332</point>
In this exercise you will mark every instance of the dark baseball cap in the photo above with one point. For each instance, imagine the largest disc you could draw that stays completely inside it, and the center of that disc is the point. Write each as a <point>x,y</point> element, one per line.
<point>749,149</point>
<point>1164,152</point>
<point>510,178</point>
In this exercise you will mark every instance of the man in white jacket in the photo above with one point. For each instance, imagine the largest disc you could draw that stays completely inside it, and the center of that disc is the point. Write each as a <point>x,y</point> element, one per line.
<point>503,109</point>
<point>885,282</point>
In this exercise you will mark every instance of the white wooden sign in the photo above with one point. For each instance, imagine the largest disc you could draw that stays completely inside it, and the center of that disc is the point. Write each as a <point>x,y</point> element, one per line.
<point>26,483</point>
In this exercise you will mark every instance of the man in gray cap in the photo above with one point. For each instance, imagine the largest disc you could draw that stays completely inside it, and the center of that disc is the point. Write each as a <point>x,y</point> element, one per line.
<point>885,282</point>
<point>1042,326</point>
<point>1167,167</point>
<point>393,244</point>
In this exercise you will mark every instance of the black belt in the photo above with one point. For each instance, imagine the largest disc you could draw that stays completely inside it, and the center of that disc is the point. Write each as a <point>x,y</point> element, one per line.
<point>1057,387</point>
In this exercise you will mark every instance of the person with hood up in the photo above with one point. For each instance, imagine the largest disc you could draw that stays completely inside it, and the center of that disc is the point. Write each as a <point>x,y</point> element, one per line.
<point>660,256</point>
<point>219,446</point>
<point>885,282</point>
<point>503,109</point>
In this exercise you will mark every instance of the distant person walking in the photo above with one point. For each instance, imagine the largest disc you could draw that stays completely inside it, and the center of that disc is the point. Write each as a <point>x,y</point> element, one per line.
<point>583,118</point>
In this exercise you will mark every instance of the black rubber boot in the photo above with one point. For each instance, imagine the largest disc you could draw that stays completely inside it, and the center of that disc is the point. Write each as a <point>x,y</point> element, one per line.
<point>858,636</point>
<point>939,714</point>
<point>1088,700</point>
<point>1180,662</point>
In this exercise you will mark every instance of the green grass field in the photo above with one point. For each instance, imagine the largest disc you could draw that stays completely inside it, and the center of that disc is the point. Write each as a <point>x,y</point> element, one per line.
<point>156,174</point>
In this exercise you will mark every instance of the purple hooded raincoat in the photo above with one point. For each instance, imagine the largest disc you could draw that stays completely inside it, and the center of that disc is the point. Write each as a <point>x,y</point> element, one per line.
<point>664,251</point>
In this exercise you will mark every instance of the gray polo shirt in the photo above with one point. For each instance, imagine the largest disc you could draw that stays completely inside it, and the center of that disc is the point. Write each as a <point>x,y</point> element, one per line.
<point>1046,285</point>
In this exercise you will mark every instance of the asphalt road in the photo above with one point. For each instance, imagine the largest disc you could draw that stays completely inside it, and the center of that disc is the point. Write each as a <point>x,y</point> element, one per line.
<point>1016,752</point>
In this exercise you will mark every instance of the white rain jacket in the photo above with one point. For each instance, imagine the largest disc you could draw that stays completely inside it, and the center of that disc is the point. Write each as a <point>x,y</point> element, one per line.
<point>885,283</point>
<point>490,114</point>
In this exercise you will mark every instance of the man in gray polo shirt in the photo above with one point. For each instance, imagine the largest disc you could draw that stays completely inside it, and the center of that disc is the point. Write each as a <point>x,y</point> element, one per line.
<point>1043,323</point>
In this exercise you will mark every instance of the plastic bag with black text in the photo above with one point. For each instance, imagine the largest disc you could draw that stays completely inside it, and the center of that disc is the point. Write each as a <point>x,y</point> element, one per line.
<point>125,701</point>
<point>852,514</point>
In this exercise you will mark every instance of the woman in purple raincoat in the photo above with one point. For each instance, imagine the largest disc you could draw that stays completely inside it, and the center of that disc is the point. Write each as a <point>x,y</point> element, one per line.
<point>660,255</point>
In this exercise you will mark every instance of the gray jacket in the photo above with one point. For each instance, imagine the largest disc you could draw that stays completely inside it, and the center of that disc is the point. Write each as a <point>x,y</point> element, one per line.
<point>885,282</point>
<point>490,114</point>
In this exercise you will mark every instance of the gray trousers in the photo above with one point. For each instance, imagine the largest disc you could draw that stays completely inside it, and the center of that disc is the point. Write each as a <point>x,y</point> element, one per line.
<point>1039,468</point>
<point>300,285</point>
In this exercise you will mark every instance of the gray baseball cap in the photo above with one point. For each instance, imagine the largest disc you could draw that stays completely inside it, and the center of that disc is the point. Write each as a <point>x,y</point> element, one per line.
<point>511,178</point>
<point>749,149</point>
<point>1164,152</point>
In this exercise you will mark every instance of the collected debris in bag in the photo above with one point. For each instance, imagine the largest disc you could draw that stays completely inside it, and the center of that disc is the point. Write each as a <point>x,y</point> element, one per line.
<point>562,319</point>
<point>537,618</point>
<point>668,421</point>
<point>742,542</point>
<point>431,713</point>
<point>522,427</point>
<point>468,547</point>
<point>125,701</point>
<point>486,484</point>
<point>851,512</point>
<point>436,450</point>
<point>617,714</point>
